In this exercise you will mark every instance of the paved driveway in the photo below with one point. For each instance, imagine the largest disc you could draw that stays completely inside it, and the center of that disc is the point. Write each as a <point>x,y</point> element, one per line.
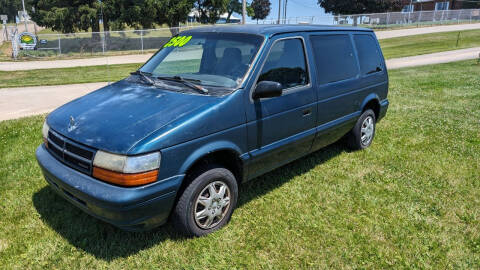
<point>434,58</point>
<point>25,101</point>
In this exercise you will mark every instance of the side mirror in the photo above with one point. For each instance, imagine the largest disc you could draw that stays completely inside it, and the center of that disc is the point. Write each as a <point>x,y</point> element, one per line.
<point>267,89</point>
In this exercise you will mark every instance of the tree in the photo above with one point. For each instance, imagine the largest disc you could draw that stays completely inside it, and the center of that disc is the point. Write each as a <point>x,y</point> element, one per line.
<point>210,10</point>
<point>115,14</point>
<point>359,6</point>
<point>134,13</point>
<point>169,12</point>
<point>64,16</point>
<point>233,6</point>
<point>250,12</point>
<point>348,7</point>
<point>78,15</point>
<point>468,4</point>
<point>83,15</point>
<point>10,8</point>
<point>261,9</point>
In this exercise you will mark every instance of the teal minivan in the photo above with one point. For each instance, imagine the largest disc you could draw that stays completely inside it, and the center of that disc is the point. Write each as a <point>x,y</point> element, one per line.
<point>213,108</point>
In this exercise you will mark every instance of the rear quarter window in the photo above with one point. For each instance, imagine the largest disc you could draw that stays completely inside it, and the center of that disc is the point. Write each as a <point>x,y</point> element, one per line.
<point>334,57</point>
<point>368,54</point>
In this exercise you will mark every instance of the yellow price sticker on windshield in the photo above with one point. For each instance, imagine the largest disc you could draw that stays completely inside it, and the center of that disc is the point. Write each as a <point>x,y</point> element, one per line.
<point>178,41</point>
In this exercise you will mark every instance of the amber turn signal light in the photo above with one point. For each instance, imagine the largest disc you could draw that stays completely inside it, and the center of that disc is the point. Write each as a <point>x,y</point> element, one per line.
<point>125,179</point>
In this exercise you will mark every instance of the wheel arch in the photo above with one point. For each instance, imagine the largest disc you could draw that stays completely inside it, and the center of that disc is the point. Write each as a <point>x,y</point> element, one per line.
<point>372,101</point>
<point>222,153</point>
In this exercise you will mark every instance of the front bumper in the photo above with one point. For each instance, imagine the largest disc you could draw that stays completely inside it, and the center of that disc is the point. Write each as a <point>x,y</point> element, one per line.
<point>133,209</point>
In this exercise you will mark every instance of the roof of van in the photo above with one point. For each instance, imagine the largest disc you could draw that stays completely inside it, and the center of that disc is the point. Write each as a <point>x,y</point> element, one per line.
<point>271,29</point>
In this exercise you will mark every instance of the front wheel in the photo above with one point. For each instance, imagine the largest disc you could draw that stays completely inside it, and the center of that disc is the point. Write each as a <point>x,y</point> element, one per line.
<point>207,203</point>
<point>362,134</point>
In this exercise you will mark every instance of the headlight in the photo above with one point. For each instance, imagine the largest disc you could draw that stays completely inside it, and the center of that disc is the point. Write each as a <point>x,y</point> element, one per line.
<point>126,170</point>
<point>45,130</point>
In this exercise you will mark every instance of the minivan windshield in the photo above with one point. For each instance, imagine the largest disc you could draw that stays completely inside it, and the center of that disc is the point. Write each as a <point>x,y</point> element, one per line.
<point>209,60</point>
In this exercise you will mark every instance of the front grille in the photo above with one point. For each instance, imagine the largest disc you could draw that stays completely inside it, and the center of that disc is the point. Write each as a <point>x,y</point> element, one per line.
<point>70,153</point>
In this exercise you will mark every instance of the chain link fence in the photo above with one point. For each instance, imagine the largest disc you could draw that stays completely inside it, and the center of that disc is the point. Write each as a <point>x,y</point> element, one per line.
<point>389,19</point>
<point>101,43</point>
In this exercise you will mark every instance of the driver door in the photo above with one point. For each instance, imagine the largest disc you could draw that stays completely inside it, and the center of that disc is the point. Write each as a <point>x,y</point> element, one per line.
<point>281,129</point>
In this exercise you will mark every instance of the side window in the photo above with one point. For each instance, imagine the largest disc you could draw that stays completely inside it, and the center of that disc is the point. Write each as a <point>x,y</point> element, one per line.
<point>334,58</point>
<point>368,54</point>
<point>286,64</point>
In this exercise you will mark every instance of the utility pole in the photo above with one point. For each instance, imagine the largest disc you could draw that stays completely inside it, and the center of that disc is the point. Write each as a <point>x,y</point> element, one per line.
<point>285,12</point>
<point>410,10</point>
<point>24,15</point>
<point>244,11</point>
<point>279,10</point>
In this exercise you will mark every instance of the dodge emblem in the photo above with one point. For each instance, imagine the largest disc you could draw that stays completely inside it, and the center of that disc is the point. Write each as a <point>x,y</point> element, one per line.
<point>72,125</point>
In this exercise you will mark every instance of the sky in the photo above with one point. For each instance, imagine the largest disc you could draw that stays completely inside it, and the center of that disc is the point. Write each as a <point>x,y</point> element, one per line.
<point>297,8</point>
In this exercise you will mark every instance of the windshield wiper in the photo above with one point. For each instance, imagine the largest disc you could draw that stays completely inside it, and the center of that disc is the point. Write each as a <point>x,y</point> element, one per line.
<point>144,76</point>
<point>196,87</point>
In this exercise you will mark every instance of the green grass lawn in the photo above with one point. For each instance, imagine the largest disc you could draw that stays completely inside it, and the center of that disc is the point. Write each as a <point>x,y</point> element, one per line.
<point>429,43</point>
<point>59,76</point>
<point>412,200</point>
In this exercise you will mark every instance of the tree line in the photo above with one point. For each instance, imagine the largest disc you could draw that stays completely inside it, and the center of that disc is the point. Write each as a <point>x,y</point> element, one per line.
<point>69,16</point>
<point>84,15</point>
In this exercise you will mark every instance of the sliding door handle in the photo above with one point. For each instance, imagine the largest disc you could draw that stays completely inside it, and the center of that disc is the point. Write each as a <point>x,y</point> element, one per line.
<point>307,112</point>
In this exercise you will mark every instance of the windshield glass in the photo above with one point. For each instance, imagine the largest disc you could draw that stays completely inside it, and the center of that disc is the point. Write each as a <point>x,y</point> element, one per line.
<point>208,59</point>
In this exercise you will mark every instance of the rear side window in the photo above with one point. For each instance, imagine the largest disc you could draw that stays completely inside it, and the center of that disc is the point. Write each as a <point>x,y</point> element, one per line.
<point>286,64</point>
<point>368,54</point>
<point>334,58</point>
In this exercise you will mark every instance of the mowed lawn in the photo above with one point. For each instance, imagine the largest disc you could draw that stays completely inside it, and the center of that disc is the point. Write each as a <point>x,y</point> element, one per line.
<point>392,48</point>
<point>429,43</point>
<point>60,76</point>
<point>412,200</point>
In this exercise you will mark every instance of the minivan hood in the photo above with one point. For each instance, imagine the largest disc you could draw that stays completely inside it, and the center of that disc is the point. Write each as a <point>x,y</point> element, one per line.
<point>117,116</point>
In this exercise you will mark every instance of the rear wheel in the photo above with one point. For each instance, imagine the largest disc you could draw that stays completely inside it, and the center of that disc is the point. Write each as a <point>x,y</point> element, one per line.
<point>207,203</point>
<point>362,134</point>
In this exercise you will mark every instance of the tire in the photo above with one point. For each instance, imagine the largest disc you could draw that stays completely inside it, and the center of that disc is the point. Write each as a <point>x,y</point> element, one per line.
<point>197,197</point>
<point>365,126</point>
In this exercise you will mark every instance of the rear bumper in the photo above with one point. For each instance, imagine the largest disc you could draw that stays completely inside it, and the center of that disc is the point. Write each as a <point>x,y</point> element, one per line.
<point>134,209</point>
<point>383,109</point>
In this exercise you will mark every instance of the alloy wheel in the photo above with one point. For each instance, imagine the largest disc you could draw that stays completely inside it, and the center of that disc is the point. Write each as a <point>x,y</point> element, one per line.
<point>212,205</point>
<point>367,129</point>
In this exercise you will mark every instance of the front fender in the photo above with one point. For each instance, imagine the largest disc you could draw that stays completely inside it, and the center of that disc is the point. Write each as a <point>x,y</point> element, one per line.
<point>179,158</point>
<point>207,149</point>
